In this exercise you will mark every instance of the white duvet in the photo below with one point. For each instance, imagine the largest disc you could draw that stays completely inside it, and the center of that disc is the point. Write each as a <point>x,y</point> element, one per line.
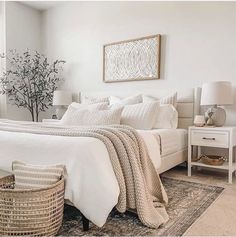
<point>87,163</point>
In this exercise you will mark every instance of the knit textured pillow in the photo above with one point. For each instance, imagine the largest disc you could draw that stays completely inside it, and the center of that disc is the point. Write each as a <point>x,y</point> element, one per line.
<point>29,176</point>
<point>140,116</point>
<point>73,107</point>
<point>86,117</point>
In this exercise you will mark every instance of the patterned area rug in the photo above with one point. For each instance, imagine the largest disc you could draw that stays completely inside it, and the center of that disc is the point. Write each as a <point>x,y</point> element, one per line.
<point>187,201</point>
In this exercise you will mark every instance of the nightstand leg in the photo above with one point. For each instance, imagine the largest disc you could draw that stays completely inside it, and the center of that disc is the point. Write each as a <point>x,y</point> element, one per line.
<point>189,159</point>
<point>230,164</point>
<point>230,178</point>
<point>198,155</point>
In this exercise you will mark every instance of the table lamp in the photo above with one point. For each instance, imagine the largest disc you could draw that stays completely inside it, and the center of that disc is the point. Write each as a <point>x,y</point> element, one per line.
<point>215,94</point>
<point>61,99</point>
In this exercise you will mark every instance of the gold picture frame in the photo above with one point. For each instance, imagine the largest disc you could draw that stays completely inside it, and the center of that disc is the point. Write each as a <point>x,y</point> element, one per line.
<point>132,60</point>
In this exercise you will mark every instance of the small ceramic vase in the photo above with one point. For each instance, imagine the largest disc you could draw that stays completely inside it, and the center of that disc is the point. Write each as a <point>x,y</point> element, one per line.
<point>199,120</point>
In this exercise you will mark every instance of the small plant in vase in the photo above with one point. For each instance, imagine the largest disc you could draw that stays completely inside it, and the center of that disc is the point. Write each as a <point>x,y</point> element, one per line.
<point>209,120</point>
<point>30,81</point>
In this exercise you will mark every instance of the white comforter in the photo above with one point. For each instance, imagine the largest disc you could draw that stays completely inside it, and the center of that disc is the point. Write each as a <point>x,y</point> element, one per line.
<point>87,163</point>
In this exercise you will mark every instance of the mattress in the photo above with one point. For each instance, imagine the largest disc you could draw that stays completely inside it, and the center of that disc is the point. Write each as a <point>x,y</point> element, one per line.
<point>170,140</point>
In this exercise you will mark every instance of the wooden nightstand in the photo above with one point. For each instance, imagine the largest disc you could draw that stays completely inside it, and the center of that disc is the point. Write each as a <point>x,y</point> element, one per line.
<point>222,137</point>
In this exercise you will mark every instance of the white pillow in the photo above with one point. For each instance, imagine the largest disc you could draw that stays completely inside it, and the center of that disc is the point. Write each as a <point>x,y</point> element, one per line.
<point>77,106</point>
<point>167,117</point>
<point>169,99</point>
<point>85,117</point>
<point>140,116</point>
<point>103,105</point>
<point>94,100</point>
<point>126,101</point>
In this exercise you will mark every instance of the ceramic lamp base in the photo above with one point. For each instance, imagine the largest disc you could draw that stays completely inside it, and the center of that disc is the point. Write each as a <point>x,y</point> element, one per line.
<point>218,117</point>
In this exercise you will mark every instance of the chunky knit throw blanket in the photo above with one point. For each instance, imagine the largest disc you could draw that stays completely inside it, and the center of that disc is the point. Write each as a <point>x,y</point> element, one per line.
<point>140,185</point>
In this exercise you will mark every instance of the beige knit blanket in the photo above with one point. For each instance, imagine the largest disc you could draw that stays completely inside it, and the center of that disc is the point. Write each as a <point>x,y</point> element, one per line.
<point>140,185</point>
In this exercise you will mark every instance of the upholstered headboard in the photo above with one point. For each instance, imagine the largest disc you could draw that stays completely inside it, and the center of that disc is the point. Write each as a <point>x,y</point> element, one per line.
<point>188,101</point>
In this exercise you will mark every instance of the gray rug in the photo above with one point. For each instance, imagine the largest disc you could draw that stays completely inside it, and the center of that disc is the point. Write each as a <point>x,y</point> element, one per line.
<point>187,201</point>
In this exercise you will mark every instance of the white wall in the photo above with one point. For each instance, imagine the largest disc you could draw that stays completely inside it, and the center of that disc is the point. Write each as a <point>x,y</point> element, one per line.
<point>3,107</point>
<point>198,41</point>
<point>23,31</point>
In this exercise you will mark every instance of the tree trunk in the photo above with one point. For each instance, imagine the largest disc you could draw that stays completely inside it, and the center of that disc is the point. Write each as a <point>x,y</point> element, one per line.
<point>36,112</point>
<point>32,115</point>
<point>37,116</point>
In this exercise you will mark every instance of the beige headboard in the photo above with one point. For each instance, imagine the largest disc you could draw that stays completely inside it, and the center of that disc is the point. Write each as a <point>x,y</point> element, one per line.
<point>188,101</point>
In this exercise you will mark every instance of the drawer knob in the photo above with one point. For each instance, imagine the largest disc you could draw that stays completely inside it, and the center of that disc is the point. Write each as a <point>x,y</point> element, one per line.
<point>209,138</point>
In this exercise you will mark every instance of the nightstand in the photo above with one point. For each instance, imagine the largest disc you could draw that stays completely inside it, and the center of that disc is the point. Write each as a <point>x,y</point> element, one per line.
<point>221,137</point>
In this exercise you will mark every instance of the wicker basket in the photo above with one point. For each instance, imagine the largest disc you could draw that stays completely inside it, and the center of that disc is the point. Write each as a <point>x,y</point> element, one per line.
<point>32,212</point>
<point>212,160</point>
<point>7,181</point>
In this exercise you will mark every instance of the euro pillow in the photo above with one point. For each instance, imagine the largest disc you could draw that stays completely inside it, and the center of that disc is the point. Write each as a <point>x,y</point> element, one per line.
<point>94,100</point>
<point>167,117</point>
<point>102,105</point>
<point>85,117</point>
<point>169,99</point>
<point>140,116</point>
<point>29,176</point>
<point>126,101</point>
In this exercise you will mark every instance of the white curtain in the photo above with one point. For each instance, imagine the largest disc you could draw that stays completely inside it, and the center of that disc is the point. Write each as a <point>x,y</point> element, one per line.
<point>3,104</point>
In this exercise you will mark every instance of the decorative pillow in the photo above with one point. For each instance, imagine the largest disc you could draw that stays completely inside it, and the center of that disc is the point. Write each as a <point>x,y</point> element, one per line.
<point>36,176</point>
<point>170,99</point>
<point>126,101</point>
<point>73,107</point>
<point>140,116</point>
<point>103,105</point>
<point>148,99</point>
<point>94,100</point>
<point>85,117</point>
<point>167,117</point>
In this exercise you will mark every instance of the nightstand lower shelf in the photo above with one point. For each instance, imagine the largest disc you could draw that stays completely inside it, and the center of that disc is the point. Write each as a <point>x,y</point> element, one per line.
<point>225,166</point>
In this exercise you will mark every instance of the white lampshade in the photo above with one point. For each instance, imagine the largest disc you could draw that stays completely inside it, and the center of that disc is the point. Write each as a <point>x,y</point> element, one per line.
<point>217,93</point>
<point>62,97</point>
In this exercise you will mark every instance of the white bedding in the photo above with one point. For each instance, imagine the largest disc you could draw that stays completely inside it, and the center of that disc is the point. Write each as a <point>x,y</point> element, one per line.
<point>87,164</point>
<point>169,140</point>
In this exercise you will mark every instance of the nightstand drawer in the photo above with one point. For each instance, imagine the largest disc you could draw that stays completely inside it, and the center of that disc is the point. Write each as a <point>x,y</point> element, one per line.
<point>208,138</point>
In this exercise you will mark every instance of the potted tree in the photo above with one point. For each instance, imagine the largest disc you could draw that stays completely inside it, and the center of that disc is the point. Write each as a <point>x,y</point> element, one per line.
<point>30,81</point>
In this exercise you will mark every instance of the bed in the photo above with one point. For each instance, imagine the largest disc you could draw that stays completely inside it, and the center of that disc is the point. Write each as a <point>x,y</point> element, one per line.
<point>79,153</point>
<point>188,105</point>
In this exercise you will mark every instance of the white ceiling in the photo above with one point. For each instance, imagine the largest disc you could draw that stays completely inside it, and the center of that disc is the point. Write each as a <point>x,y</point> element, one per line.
<point>41,5</point>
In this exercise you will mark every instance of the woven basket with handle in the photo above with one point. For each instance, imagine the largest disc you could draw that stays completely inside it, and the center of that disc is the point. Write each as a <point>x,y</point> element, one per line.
<point>213,159</point>
<point>32,212</point>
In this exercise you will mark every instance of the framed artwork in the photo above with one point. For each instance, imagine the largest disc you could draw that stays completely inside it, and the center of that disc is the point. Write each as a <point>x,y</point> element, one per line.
<point>132,60</point>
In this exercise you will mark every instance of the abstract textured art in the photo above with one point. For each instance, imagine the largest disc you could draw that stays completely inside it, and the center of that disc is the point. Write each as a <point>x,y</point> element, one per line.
<point>132,60</point>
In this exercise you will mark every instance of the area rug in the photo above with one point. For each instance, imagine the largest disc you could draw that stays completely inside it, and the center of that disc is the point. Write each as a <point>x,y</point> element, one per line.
<point>187,201</point>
